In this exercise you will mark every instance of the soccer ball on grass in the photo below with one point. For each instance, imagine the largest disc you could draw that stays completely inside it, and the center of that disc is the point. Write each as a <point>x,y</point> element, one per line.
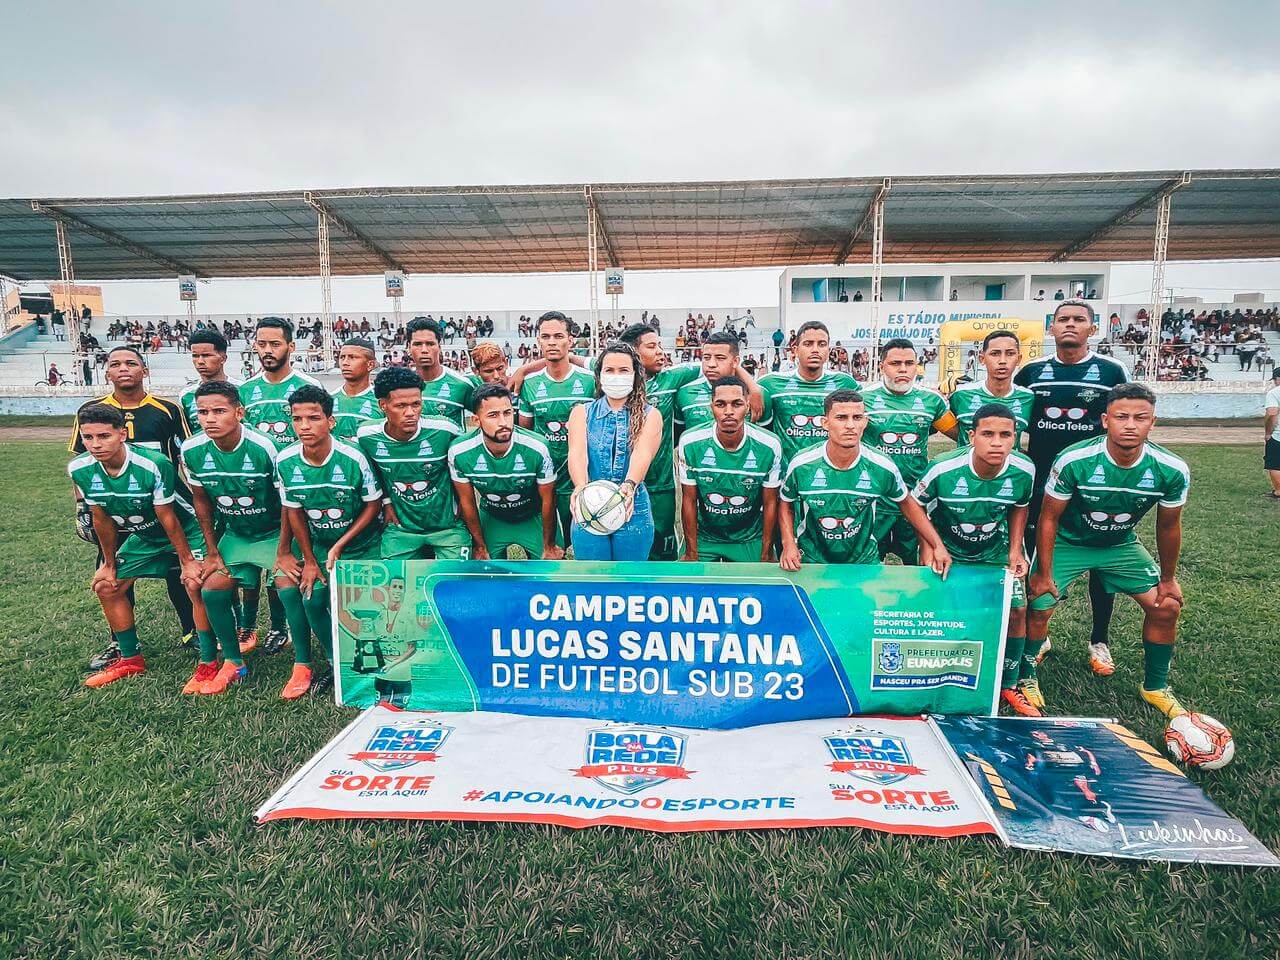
<point>1198,740</point>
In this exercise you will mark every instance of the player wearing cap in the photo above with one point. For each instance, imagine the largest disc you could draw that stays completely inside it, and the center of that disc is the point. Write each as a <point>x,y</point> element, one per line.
<point>505,482</point>
<point>1001,353</point>
<point>977,499</point>
<point>833,491</point>
<point>1070,390</point>
<point>730,471</point>
<point>900,418</point>
<point>354,404</point>
<point>1097,492</point>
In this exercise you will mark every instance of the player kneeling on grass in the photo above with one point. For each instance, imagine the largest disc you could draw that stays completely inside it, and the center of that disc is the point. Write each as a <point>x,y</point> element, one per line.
<point>833,490</point>
<point>331,501</point>
<point>231,469</point>
<point>132,490</point>
<point>977,499</point>
<point>729,478</point>
<point>1096,493</point>
<point>505,482</point>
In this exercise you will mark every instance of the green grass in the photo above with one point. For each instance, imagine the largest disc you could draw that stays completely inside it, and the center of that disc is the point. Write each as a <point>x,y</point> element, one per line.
<point>127,826</point>
<point>24,420</point>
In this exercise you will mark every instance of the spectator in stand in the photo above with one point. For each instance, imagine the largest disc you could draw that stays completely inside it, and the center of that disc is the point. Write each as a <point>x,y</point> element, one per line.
<point>86,317</point>
<point>1093,294</point>
<point>857,296</point>
<point>955,294</point>
<point>53,376</point>
<point>1039,296</point>
<point>1271,433</point>
<point>1059,295</point>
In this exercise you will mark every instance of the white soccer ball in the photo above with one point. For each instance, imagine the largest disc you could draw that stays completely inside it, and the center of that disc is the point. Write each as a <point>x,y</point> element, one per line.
<point>1198,740</point>
<point>602,509</point>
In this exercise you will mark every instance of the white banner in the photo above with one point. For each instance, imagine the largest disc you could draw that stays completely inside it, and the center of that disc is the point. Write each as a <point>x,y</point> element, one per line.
<point>896,775</point>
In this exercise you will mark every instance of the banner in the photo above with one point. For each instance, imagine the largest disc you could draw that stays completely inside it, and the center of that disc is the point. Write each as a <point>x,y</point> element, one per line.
<point>614,278</point>
<point>1092,786</point>
<point>894,775</point>
<point>187,287</point>
<point>393,281</point>
<point>693,644</point>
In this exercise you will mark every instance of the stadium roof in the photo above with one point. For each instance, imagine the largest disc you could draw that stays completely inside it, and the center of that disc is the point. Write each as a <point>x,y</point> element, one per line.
<point>1217,214</point>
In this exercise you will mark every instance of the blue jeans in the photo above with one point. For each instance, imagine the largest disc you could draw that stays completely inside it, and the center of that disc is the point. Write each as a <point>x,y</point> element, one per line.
<point>631,541</point>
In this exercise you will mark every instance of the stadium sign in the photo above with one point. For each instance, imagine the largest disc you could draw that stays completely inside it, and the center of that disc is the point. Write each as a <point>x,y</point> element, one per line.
<point>186,287</point>
<point>394,282</point>
<point>694,644</point>
<point>613,281</point>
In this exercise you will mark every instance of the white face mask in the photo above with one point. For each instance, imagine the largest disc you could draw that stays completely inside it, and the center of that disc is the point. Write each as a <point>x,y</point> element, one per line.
<point>616,386</point>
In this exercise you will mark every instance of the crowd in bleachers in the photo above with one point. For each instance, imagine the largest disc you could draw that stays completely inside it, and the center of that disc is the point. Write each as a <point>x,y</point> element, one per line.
<point>1191,340</point>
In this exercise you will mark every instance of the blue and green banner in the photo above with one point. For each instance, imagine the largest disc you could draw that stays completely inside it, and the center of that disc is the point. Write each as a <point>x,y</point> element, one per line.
<point>691,644</point>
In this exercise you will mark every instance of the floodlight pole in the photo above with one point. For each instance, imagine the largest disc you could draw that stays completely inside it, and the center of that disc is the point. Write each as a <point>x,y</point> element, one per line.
<point>67,267</point>
<point>877,270</point>
<point>1163,210</point>
<point>326,288</point>
<point>593,264</point>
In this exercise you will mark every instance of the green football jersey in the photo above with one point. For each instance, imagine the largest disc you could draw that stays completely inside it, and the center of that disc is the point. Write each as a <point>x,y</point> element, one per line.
<point>730,483</point>
<point>188,403</point>
<point>971,514</point>
<point>693,405</point>
<point>266,406</point>
<point>506,487</point>
<point>415,472</point>
<point>148,478</point>
<point>968,398</point>
<point>793,408</point>
<point>330,495</point>
<point>1105,501</point>
<point>240,482</point>
<point>660,390</point>
<point>548,401</point>
<point>836,509</point>
<point>351,413</point>
<point>899,425</point>
<point>449,396</point>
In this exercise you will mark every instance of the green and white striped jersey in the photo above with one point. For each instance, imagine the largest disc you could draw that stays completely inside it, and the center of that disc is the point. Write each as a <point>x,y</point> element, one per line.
<point>240,482</point>
<point>548,401</point>
<point>351,413</point>
<point>971,514</point>
<point>968,398</point>
<point>505,487</point>
<point>415,473</point>
<point>148,478</point>
<point>266,405</point>
<point>331,494</point>
<point>731,483</point>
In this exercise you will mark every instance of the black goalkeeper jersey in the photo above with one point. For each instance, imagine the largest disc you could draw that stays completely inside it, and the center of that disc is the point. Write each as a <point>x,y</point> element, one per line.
<point>155,423</point>
<point>1070,399</point>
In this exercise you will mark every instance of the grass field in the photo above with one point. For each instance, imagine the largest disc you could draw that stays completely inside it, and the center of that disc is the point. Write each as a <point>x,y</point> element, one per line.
<point>128,831</point>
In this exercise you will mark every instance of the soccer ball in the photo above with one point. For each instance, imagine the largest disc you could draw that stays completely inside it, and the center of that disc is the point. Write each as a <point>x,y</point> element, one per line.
<point>602,508</point>
<point>1198,740</point>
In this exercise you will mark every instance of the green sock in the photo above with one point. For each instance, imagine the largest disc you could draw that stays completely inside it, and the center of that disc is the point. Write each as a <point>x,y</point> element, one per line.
<point>220,605</point>
<point>1028,671</point>
<point>208,646</point>
<point>1155,664</point>
<point>318,616</point>
<point>299,625</point>
<point>247,611</point>
<point>1013,647</point>
<point>128,641</point>
<point>275,609</point>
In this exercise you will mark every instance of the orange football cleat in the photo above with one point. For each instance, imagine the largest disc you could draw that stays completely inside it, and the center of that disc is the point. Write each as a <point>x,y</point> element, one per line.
<point>1016,700</point>
<point>224,678</point>
<point>124,667</point>
<point>299,682</point>
<point>204,673</point>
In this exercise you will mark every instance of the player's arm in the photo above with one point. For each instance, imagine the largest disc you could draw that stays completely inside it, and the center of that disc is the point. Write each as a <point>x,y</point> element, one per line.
<point>790,558</point>
<point>770,523</point>
<point>204,517</point>
<point>547,495</point>
<point>466,495</point>
<point>192,569</point>
<point>646,447</point>
<point>108,539</point>
<point>1017,529</point>
<point>1168,546</point>
<point>526,420</point>
<point>368,514</point>
<point>937,552</point>
<point>577,460</point>
<point>1051,511</point>
<point>689,518</point>
<point>1269,422</point>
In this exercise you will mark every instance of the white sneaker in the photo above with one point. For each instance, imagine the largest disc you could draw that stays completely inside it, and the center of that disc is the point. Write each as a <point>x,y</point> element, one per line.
<point>1100,661</point>
<point>1043,652</point>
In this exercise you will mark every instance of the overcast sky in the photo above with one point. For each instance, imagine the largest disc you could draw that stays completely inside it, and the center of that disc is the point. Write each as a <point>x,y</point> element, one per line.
<point>112,98</point>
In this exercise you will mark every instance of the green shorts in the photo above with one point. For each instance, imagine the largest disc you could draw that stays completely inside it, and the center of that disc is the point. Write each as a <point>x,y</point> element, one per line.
<point>729,552</point>
<point>1125,568</point>
<point>662,503</point>
<point>401,544</point>
<point>148,559</point>
<point>247,559</point>
<point>895,534</point>
<point>499,535</point>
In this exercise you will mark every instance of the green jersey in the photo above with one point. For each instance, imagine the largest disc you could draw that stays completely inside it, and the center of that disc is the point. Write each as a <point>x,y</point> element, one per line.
<point>266,406</point>
<point>351,413</point>
<point>188,403</point>
<point>660,390</point>
<point>968,398</point>
<point>415,472</point>
<point>970,513</point>
<point>548,401</point>
<point>240,482</point>
<point>506,487</point>
<point>147,479</point>
<point>449,396</point>
<point>693,404</point>
<point>899,425</point>
<point>793,408</point>
<point>730,483</point>
<point>1105,501</point>
<point>836,509</point>
<point>331,494</point>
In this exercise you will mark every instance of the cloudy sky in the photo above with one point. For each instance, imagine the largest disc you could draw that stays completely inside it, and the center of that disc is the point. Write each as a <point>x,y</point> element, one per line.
<point>148,98</point>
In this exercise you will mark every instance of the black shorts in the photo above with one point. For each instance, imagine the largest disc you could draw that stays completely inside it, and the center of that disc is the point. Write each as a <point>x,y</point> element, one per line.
<point>1271,454</point>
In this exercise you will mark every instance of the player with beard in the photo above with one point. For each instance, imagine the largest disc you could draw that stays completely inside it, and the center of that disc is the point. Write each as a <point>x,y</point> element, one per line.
<point>505,482</point>
<point>900,418</point>
<point>1097,493</point>
<point>719,360</point>
<point>445,392</point>
<point>354,404</point>
<point>209,358</point>
<point>794,402</point>
<point>1070,390</point>
<point>1001,353</point>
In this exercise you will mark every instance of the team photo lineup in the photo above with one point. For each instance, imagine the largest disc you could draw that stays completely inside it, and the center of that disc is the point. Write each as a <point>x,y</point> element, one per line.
<point>1041,466</point>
